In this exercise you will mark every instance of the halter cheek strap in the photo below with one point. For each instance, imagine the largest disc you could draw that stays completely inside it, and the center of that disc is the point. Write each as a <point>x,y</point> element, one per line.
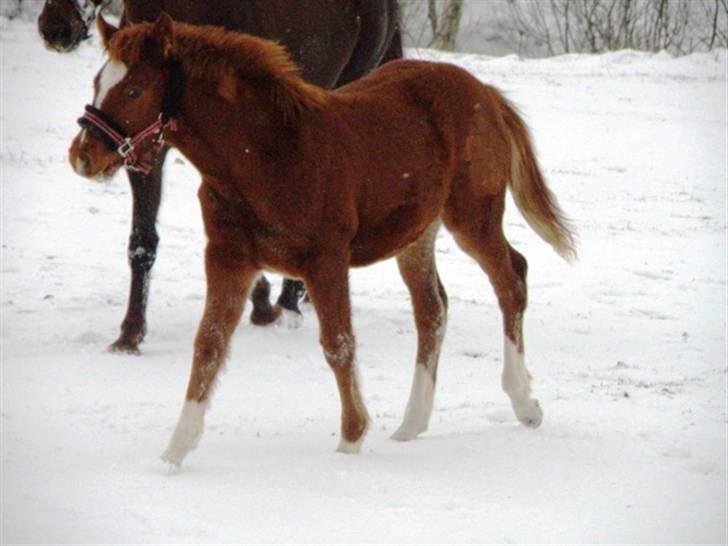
<point>115,137</point>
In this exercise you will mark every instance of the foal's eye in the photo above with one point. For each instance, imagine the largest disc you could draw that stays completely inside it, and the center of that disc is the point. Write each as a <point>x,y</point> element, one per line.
<point>134,93</point>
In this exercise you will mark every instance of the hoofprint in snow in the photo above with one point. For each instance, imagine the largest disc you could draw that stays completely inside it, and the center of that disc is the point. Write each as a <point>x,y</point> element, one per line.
<point>627,348</point>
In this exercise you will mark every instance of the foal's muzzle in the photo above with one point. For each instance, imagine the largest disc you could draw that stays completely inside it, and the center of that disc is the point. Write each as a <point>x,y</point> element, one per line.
<point>117,139</point>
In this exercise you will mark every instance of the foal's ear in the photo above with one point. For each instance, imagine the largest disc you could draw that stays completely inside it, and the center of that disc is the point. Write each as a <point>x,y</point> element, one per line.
<point>107,30</point>
<point>164,33</point>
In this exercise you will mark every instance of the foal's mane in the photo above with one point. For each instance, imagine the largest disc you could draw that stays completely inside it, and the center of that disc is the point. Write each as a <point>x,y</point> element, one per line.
<point>210,53</point>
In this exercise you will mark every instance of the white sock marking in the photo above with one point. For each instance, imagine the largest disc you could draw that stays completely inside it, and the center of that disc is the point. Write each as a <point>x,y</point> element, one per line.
<point>515,380</point>
<point>422,396</point>
<point>290,319</point>
<point>516,383</point>
<point>419,406</point>
<point>187,433</point>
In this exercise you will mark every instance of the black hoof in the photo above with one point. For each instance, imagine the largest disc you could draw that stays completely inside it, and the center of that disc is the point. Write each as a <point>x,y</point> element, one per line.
<point>264,314</point>
<point>125,346</point>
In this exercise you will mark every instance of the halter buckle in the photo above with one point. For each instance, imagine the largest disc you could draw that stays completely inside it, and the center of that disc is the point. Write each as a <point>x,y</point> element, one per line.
<point>126,148</point>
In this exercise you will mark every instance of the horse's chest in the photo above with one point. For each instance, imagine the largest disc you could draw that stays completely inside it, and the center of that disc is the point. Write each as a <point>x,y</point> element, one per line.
<point>279,248</point>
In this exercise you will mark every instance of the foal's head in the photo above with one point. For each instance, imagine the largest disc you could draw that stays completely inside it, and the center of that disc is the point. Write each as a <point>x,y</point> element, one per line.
<point>123,124</point>
<point>64,23</point>
<point>150,67</point>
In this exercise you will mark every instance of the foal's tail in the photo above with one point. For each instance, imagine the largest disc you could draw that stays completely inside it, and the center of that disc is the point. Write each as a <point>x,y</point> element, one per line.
<point>533,198</point>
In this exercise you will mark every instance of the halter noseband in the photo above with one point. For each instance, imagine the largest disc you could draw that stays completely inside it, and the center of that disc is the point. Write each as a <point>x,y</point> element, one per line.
<point>103,127</point>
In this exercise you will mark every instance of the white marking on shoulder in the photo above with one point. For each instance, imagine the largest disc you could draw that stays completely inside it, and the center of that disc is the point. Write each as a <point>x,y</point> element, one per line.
<point>111,74</point>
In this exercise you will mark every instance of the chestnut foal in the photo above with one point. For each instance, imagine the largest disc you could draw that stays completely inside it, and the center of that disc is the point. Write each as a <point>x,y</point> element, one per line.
<point>372,170</point>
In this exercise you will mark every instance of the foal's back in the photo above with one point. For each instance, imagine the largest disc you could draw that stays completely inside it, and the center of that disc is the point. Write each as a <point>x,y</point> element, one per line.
<point>440,102</point>
<point>406,134</point>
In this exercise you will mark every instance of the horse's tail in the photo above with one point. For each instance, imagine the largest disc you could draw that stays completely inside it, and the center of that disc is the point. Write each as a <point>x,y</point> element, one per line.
<point>533,198</point>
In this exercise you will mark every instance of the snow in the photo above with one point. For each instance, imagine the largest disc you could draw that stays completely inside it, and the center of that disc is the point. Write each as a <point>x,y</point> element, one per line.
<point>627,347</point>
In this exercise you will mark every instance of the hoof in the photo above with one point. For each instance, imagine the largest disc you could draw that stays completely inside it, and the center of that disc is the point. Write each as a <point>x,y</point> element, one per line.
<point>289,319</point>
<point>407,432</point>
<point>124,346</point>
<point>265,314</point>
<point>529,413</point>
<point>173,458</point>
<point>350,448</point>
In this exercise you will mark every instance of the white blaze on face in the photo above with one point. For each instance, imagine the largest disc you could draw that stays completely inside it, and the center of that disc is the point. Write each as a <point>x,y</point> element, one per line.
<point>111,74</point>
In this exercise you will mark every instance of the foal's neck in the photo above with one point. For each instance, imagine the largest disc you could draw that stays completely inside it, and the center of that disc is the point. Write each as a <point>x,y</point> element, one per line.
<point>236,143</point>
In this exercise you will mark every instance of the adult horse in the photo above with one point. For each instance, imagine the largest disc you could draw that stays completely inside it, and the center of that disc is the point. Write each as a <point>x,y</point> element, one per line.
<point>334,41</point>
<point>373,169</point>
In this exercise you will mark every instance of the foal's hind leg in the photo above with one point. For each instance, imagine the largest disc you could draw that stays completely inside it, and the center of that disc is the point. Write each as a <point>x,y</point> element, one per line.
<point>429,302</point>
<point>515,380</point>
<point>229,279</point>
<point>506,270</point>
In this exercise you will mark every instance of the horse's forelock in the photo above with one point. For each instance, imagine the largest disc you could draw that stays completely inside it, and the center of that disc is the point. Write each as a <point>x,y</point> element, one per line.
<point>128,44</point>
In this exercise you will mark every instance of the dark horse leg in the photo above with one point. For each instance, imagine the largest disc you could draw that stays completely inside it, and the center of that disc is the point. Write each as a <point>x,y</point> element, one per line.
<point>291,293</point>
<point>263,313</point>
<point>146,193</point>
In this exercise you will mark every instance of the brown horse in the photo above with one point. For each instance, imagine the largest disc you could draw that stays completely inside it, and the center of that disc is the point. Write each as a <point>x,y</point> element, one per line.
<point>63,24</point>
<point>372,169</point>
<point>334,41</point>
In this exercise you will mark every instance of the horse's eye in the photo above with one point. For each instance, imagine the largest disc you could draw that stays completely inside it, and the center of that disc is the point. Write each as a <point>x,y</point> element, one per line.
<point>134,93</point>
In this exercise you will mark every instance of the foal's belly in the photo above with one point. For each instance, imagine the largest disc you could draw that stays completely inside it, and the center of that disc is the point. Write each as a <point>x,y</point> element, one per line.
<point>400,228</point>
<point>384,231</point>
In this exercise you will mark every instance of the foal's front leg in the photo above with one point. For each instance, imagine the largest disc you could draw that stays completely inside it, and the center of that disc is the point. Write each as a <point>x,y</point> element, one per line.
<point>328,287</point>
<point>229,279</point>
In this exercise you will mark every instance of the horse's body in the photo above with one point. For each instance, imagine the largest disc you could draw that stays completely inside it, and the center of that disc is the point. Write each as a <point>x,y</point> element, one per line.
<point>373,168</point>
<point>334,42</point>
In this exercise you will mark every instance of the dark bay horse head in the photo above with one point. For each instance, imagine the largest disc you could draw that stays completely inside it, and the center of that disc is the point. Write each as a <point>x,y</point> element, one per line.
<point>64,23</point>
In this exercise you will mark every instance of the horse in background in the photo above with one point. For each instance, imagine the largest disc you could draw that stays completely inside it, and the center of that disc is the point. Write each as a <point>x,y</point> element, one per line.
<point>371,171</point>
<point>64,24</point>
<point>333,41</point>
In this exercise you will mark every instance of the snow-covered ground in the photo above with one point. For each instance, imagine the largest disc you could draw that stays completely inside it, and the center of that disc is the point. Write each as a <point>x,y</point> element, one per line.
<point>628,347</point>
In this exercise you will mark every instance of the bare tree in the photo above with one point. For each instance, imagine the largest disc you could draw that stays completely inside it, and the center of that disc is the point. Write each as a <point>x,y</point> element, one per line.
<point>435,23</point>
<point>563,26</point>
<point>445,24</point>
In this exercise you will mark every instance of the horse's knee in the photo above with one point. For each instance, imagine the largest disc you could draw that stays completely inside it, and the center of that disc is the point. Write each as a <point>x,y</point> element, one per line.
<point>143,249</point>
<point>338,349</point>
